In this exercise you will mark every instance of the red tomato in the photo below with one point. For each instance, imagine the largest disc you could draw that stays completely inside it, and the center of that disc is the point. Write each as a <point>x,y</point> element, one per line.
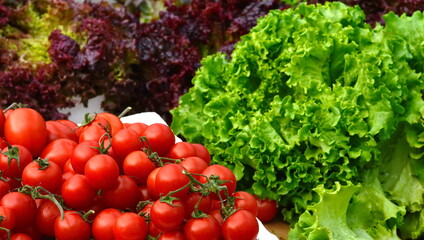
<point>151,184</point>
<point>170,178</point>
<point>160,138</point>
<point>8,220</point>
<point>181,150</point>
<point>167,217</point>
<point>138,165</point>
<point>44,173</point>
<point>2,120</point>
<point>173,235</point>
<point>23,206</point>
<point>144,193</point>
<point>124,195</point>
<point>93,132</point>
<point>138,127</point>
<point>202,152</point>
<point>114,121</point>
<point>68,123</point>
<point>216,213</point>
<point>125,141</point>
<point>13,160</point>
<point>103,224</point>
<point>241,225</point>
<point>59,151</point>
<point>192,200</point>
<point>20,236</point>
<point>82,153</point>
<point>194,165</point>
<point>26,127</point>
<point>267,209</point>
<point>202,228</point>
<point>130,226</point>
<point>57,130</point>
<point>30,231</point>
<point>4,187</point>
<point>3,143</point>
<point>47,212</point>
<point>72,227</point>
<point>223,173</point>
<point>77,192</point>
<point>101,172</point>
<point>246,201</point>
<point>68,167</point>
<point>91,120</point>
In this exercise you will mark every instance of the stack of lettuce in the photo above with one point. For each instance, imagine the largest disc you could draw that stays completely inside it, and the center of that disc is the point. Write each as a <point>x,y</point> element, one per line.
<point>324,113</point>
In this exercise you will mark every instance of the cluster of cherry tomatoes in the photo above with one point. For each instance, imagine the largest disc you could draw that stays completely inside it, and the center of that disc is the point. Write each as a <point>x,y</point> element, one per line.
<point>105,179</point>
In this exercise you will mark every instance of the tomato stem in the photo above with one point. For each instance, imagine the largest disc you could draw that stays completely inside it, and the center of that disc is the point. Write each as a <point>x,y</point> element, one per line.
<point>123,113</point>
<point>35,192</point>
<point>9,235</point>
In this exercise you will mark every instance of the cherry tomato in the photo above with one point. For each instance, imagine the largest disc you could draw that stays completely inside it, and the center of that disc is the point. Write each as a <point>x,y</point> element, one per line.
<point>57,130</point>
<point>26,127</point>
<point>160,138</point>
<point>13,160</point>
<point>8,220</point>
<point>202,228</point>
<point>124,195</point>
<point>224,174</point>
<point>20,236</point>
<point>202,152</point>
<point>241,225</point>
<point>114,121</point>
<point>181,150</point>
<point>194,165</point>
<point>103,224</point>
<point>2,120</point>
<point>93,120</point>
<point>130,226</point>
<point>173,235</point>
<point>101,172</point>
<point>30,231</point>
<point>4,187</point>
<point>82,153</point>
<point>267,209</point>
<point>216,213</point>
<point>144,193</point>
<point>167,217</point>
<point>3,143</point>
<point>93,132</point>
<point>246,201</point>
<point>59,151</point>
<point>170,178</point>
<point>125,141</point>
<point>77,192</point>
<point>138,165</point>
<point>68,167</point>
<point>72,227</point>
<point>72,125</point>
<point>23,206</point>
<point>192,200</point>
<point>151,184</point>
<point>47,212</point>
<point>44,173</point>
<point>138,127</point>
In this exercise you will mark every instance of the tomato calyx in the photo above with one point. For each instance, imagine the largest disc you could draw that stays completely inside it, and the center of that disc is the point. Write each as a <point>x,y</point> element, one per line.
<point>88,118</point>
<point>39,192</point>
<point>12,153</point>
<point>13,106</point>
<point>43,164</point>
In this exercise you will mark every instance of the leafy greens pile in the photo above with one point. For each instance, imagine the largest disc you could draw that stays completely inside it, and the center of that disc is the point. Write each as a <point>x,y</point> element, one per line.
<point>324,113</point>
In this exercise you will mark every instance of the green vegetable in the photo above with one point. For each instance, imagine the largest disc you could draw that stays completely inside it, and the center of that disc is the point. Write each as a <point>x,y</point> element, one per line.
<point>323,113</point>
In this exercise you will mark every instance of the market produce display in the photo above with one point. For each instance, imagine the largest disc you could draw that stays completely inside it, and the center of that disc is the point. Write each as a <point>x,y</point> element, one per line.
<point>106,179</point>
<point>323,112</point>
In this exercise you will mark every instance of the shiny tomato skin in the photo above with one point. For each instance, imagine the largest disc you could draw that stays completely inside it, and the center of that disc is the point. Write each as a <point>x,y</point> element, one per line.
<point>14,168</point>
<point>181,150</point>
<point>267,209</point>
<point>114,121</point>
<point>138,127</point>
<point>102,226</point>
<point>151,184</point>
<point>101,172</point>
<point>216,213</point>
<point>8,219</point>
<point>93,132</point>
<point>4,187</point>
<point>82,153</point>
<point>167,217</point>
<point>241,225</point>
<point>57,130</point>
<point>20,236</point>
<point>77,192</point>
<point>173,235</point>
<point>202,228</point>
<point>72,125</point>
<point>3,143</point>
<point>138,165</point>
<point>49,178</point>
<point>124,195</point>
<point>192,199</point>
<point>125,141</point>
<point>194,165</point>
<point>47,212</point>
<point>160,138</point>
<point>130,226</point>
<point>170,177</point>
<point>246,201</point>
<point>26,127</point>
<point>225,174</point>
<point>59,151</point>
<point>72,227</point>
<point>202,152</point>
<point>23,206</point>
